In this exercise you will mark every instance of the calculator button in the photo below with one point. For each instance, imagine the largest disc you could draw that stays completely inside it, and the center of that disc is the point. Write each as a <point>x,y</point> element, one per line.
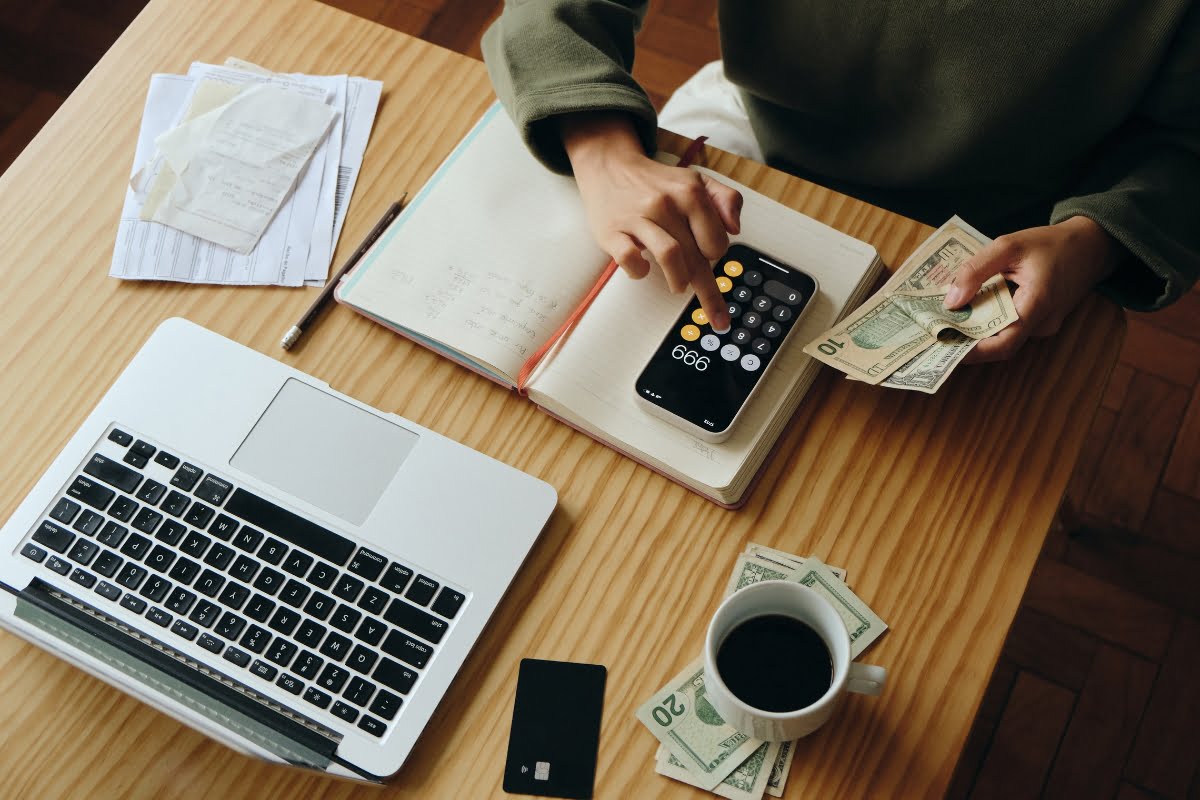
<point>740,336</point>
<point>730,352</point>
<point>690,333</point>
<point>784,294</point>
<point>724,284</point>
<point>743,295</point>
<point>772,329</point>
<point>752,319</point>
<point>760,346</point>
<point>699,317</point>
<point>710,342</point>
<point>734,310</point>
<point>782,313</point>
<point>750,362</point>
<point>752,278</point>
<point>762,304</point>
<point>733,268</point>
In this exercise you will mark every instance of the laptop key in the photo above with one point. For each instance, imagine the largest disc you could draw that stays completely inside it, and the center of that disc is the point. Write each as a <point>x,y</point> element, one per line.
<point>343,711</point>
<point>199,515</point>
<point>289,684</point>
<point>107,563</point>
<point>281,651</point>
<point>264,670</point>
<point>308,664</point>
<point>31,550</point>
<point>421,591</point>
<point>361,659</point>
<point>272,551</point>
<point>83,552</point>
<point>345,618</point>
<point>84,579</point>
<point>310,633</point>
<point>230,625</point>
<point>171,531</point>
<point>55,537</point>
<point>112,534</point>
<point>234,595</point>
<point>160,558</point>
<point>284,620</point>
<point>213,490</point>
<point>336,646</point>
<point>123,508</point>
<point>89,522</point>
<point>58,565</point>
<point>416,621</point>
<point>156,589</point>
<point>219,556</point>
<point>395,676</point>
<point>131,576</point>
<point>181,600</point>
<point>205,613</point>
<point>91,493</point>
<point>166,459</point>
<point>136,547</point>
<point>289,526</point>
<point>176,503</point>
<point>151,492</point>
<point>323,575</point>
<point>297,563</point>
<point>185,570</point>
<point>293,593</point>
<point>235,656</point>
<point>359,691</point>
<point>333,678</point>
<point>259,608</point>
<point>65,510</point>
<point>158,616</point>
<point>371,725</point>
<point>194,544</point>
<point>317,697</point>
<point>248,539</point>
<point>210,643</point>
<point>244,568</point>
<point>371,631</point>
<point>186,476</point>
<point>256,639</point>
<point>184,629</point>
<point>223,527</point>
<point>348,588</point>
<point>120,437</point>
<point>147,520</point>
<point>448,602</point>
<point>374,600</point>
<point>367,563</point>
<point>210,583</point>
<point>386,705</point>
<point>108,591</point>
<point>319,605</point>
<point>135,604</point>
<point>143,449</point>
<point>407,649</point>
<point>113,473</point>
<point>269,580</point>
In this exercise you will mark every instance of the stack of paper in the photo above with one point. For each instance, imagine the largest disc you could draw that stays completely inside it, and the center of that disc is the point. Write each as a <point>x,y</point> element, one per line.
<point>243,176</point>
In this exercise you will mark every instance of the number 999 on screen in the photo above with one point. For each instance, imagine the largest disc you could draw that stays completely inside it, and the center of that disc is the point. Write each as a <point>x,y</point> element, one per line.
<point>690,357</point>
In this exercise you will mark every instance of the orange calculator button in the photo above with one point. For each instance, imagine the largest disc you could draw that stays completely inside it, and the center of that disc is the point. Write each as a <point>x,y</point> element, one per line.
<point>699,317</point>
<point>724,284</point>
<point>690,332</point>
<point>733,268</point>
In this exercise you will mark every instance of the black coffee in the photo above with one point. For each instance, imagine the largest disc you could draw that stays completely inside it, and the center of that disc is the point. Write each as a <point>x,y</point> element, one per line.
<point>775,663</point>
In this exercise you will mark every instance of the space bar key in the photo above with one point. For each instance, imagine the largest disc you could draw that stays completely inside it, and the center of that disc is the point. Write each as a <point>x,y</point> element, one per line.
<point>290,526</point>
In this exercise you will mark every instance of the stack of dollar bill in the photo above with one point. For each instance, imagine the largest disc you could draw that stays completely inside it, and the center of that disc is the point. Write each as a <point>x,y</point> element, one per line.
<point>695,745</point>
<point>902,336</point>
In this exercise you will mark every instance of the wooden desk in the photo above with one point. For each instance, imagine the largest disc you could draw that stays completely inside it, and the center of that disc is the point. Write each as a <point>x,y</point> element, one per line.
<point>937,505</point>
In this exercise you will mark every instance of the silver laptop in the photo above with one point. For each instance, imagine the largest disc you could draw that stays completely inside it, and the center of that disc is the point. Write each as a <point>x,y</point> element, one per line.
<point>271,562</point>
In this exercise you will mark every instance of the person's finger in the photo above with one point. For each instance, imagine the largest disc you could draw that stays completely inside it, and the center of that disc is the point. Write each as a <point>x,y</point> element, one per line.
<point>667,251</point>
<point>711,300</point>
<point>628,255</point>
<point>1002,346</point>
<point>994,259</point>
<point>707,227</point>
<point>728,203</point>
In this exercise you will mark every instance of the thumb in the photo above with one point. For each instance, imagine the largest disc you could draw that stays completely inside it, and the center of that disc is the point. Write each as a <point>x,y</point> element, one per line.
<point>975,271</point>
<point>728,202</point>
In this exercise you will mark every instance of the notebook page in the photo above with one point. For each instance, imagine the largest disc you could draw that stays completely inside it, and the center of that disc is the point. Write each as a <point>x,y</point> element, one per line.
<point>488,259</point>
<point>590,380</point>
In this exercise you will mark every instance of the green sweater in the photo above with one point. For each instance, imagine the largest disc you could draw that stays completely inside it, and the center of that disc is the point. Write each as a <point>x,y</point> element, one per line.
<point>1012,113</point>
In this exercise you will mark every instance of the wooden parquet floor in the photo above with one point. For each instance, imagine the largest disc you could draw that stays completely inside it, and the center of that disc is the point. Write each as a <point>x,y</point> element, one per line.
<point>1095,695</point>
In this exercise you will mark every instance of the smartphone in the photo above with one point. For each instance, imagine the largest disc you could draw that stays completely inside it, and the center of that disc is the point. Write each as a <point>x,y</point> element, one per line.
<point>701,380</point>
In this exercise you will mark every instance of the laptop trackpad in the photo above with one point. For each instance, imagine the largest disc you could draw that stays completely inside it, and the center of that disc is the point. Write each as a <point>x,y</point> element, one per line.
<point>324,451</point>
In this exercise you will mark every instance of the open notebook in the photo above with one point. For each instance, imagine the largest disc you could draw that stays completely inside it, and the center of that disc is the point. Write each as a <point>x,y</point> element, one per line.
<point>493,255</point>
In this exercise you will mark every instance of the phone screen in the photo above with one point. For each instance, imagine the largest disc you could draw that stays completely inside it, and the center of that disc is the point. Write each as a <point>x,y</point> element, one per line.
<point>705,377</point>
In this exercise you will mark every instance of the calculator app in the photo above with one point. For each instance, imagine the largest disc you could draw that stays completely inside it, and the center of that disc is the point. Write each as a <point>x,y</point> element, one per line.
<point>703,376</point>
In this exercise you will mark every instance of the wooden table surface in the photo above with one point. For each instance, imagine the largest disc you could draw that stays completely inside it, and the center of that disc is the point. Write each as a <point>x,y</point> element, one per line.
<point>937,506</point>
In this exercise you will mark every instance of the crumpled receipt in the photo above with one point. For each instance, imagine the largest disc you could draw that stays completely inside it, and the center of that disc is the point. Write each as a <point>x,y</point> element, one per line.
<point>224,173</point>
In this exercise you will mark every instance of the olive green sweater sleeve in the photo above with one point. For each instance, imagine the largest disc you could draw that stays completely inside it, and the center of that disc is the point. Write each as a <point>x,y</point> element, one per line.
<point>1143,184</point>
<point>552,57</point>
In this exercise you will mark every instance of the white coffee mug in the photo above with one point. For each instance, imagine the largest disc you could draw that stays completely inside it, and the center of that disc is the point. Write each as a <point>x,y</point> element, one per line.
<point>807,605</point>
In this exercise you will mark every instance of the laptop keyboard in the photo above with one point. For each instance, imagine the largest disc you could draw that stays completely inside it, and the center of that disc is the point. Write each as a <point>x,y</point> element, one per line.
<point>270,594</point>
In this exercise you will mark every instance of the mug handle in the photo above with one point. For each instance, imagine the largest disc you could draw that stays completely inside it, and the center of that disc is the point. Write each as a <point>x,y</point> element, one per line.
<point>865,679</point>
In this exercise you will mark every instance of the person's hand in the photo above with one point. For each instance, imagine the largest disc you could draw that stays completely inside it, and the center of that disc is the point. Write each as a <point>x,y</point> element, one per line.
<point>634,203</point>
<point>1054,268</point>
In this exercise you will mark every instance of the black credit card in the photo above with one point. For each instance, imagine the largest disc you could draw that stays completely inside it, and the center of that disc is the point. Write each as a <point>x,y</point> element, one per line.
<point>555,729</point>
